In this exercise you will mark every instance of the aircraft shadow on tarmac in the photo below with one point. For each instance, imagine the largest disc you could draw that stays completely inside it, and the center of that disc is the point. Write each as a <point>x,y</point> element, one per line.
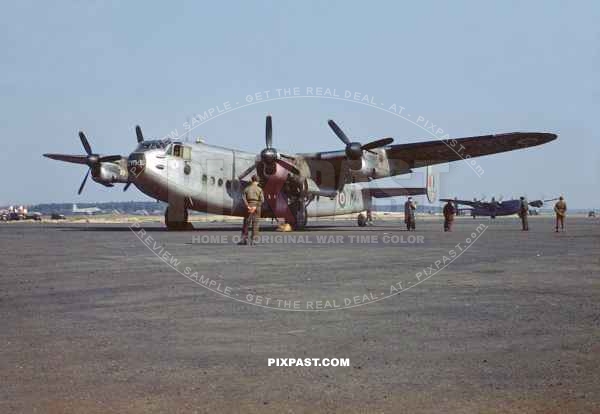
<point>267,229</point>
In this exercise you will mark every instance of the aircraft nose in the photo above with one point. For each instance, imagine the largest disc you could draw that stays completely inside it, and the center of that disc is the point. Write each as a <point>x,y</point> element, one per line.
<point>136,163</point>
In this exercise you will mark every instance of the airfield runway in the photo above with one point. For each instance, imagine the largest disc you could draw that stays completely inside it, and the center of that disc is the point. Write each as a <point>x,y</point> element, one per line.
<point>99,318</point>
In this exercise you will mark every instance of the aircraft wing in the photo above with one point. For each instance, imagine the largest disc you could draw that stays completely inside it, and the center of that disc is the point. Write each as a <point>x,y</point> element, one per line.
<point>540,203</point>
<point>75,159</point>
<point>536,203</point>
<point>420,154</point>
<point>383,192</point>
<point>465,202</point>
<point>402,158</point>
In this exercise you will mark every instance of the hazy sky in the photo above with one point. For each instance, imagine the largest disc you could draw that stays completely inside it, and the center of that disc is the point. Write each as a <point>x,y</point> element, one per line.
<point>469,67</point>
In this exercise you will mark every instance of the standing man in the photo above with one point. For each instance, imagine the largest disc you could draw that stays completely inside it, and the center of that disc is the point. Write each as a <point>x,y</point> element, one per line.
<point>449,212</point>
<point>523,213</point>
<point>369,217</point>
<point>409,214</point>
<point>494,207</point>
<point>560,208</point>
<point>253,198</point>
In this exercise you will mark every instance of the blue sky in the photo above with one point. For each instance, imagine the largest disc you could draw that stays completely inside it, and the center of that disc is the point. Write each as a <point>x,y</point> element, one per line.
<point>469,67</point>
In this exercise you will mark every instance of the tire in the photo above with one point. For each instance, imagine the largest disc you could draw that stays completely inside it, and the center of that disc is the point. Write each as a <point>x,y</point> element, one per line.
<point>362,220</point>
<point>177,225</point>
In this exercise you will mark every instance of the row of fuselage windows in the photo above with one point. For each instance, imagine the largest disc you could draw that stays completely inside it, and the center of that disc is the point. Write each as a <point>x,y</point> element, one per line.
<point>212,180</point>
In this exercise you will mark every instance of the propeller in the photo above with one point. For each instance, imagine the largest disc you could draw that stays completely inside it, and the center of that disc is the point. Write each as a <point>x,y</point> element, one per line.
<point>270,156</point>
<point>91,160</point>
<point>140,139</point>
<point>83,182</point>
<point>354,150</point>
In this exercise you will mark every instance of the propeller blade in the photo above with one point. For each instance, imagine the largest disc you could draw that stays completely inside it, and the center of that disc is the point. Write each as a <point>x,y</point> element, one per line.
<point>109,158</point>
<point>85,143</point>
<point>269,132</point>
<point>377,144</point>
<point>75,159</point>
<point>291,168</point>
<point>127,186</point>
<point>246,172</point>
<point>338,131</point>
<point>138,134</point>
<point>83,182</point>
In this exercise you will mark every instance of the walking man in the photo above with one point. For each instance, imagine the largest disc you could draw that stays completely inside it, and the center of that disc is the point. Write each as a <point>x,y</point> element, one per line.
<point>449,212</point>
<point>560,208</point>
<point>409,214</point>
<point>523,213</point>
<point>253,198</point>
<point>369,217</point>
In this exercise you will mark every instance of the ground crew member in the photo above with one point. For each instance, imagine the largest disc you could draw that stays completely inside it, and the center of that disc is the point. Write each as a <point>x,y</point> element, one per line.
<point>449,212</point>
<point>494,207</point>
<point>523,213</point>
<point>409,214</point>
<point>369,216</point>
<point>253,198</point>
<point>560,208</point>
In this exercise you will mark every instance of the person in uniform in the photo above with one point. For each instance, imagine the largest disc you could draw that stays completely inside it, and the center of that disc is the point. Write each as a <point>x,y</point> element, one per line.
<point>523,213</point>
<point>560,208</point>
<point>369,217</point>
<point>253,198</point>
<point>449,212</point>
<point>494,207</point>
<point>409,214</point>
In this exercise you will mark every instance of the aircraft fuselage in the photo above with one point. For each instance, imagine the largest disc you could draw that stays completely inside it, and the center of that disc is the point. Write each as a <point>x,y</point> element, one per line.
<point>204,178</point>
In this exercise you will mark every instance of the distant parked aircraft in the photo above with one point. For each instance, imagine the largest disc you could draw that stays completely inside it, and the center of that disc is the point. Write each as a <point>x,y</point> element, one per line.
<point>493,208</point>
<point>87,210</point>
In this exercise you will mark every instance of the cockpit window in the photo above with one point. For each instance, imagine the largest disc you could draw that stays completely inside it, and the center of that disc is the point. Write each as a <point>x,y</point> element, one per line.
<point>180,151</point>
<point>156,144</point>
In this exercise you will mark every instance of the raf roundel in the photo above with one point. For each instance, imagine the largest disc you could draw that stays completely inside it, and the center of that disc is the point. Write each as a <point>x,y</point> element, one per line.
<point>342,199</point>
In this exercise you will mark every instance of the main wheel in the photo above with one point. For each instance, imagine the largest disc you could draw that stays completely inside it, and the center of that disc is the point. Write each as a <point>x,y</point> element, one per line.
<point>177,225</point>
<point>362,220</point>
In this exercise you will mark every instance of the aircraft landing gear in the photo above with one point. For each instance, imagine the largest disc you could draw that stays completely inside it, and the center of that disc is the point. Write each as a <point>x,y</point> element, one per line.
<point>175,221</point>
<point>301,218</point>
<point>362,220</point>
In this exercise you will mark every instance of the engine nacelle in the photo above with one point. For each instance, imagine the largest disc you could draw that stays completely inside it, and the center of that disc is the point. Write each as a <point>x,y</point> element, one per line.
<point>369,166</point>
<point>111,172</point>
